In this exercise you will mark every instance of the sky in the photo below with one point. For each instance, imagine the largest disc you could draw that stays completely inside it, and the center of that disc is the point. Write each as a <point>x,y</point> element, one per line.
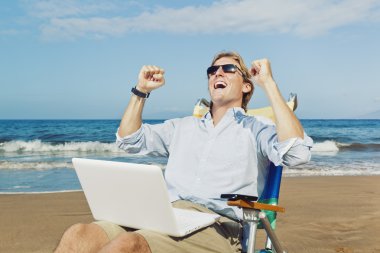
<point>79,59</point>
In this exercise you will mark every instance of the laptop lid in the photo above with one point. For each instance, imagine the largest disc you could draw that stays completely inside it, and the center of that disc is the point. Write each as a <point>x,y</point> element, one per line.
<point>131,195</point>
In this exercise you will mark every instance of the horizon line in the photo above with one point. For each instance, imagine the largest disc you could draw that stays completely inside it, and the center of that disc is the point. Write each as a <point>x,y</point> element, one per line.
<point>357,118</point>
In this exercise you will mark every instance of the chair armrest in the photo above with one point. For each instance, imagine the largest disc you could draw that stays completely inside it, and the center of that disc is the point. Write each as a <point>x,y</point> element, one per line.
<point>234,196</point>
<point>255,205</point>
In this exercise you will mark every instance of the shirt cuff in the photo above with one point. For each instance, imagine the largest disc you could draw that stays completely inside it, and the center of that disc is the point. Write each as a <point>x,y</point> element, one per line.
<point>132,138</point>
<point>284,146</point>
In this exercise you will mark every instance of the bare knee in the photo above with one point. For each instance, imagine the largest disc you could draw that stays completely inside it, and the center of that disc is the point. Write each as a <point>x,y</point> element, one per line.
<point>129,242</point>
<point>77,231</point>
<point>82,238</point>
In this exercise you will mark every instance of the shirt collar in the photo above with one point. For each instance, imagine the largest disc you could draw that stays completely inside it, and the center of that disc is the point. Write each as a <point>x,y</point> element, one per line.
<point>235,112</point>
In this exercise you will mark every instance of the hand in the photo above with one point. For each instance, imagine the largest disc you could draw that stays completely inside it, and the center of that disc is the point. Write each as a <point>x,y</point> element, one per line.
<point>150,78</point>
<point>261,72</point>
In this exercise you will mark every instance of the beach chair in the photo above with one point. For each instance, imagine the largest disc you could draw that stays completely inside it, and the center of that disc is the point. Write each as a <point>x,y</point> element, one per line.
<point>261,213</point>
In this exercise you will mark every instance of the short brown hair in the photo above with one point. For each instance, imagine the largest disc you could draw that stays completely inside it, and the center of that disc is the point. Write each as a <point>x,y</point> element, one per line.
<point>246,73</point>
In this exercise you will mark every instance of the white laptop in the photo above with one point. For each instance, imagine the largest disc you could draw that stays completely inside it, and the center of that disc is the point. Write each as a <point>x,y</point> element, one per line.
<point>135,196</point>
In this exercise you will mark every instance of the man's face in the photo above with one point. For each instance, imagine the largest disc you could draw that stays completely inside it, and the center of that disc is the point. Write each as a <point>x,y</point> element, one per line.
<point>226,89</point>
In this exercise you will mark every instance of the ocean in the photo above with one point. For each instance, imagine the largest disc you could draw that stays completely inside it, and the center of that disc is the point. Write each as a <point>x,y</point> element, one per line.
<point>35,155</point>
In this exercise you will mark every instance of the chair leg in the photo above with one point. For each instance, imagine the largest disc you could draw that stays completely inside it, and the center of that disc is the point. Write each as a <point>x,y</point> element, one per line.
<point>251,218</point>
<point>268,244</point>
<point>273,238</point>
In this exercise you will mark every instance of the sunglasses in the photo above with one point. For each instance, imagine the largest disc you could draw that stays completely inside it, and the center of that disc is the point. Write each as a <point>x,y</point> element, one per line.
<point>227,68</point>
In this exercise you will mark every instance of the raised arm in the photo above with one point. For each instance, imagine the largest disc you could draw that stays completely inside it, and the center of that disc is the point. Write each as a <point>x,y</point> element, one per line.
<point>150,78</point>
<point>287,124</point>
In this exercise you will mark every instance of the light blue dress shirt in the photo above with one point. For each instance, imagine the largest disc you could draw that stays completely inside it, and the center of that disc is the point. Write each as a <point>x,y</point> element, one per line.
<point>206,160</point>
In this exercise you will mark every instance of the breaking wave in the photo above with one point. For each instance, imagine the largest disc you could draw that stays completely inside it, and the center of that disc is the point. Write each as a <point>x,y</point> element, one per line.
<point>37,146</point>
<point>334,147</point>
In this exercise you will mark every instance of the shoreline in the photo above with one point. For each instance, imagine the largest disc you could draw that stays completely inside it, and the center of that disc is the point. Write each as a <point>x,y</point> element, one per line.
<point>323,214</point>
<point>47,192</point>
<point>284,175</point>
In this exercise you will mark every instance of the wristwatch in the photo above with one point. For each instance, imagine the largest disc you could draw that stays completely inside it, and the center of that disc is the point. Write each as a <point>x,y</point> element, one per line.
<point>139,93</point>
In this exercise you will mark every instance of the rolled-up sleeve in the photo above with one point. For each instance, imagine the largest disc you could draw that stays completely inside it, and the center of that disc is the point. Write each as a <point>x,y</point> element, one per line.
<point>149,139</point>
<point>294,151</point>
<point>291,152</point>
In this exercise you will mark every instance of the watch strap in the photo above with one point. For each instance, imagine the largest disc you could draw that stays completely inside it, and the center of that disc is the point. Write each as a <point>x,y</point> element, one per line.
<point>139,93</point>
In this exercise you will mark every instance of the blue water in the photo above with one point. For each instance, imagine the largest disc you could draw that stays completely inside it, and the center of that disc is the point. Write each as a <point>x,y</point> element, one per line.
<point>35,155</point>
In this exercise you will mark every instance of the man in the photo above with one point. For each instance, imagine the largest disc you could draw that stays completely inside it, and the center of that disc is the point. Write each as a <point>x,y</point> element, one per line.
<point>224,152</point>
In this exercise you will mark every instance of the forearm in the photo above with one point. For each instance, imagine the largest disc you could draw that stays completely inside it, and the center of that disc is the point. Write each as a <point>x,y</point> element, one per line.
<point>287,124</point>
<point>150,78</point>
<point>132,118</point>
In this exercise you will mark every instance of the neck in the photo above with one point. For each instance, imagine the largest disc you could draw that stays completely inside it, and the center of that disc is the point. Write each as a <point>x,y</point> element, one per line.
<point>219,109</point>
<point>218,113</point>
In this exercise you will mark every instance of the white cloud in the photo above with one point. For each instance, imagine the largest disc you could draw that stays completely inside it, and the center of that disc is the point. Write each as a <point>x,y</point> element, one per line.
<point>65,8</point>
<point>70,20</point>
<point>71,28</point>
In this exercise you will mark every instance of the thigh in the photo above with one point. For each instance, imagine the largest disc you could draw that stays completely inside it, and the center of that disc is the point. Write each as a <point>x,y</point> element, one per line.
<point>111,229</point>
<point>222,236</point>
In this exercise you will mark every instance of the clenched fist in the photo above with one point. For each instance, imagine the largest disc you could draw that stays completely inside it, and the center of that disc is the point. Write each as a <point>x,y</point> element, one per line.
<point>150,78</point>
<point>261,72</point>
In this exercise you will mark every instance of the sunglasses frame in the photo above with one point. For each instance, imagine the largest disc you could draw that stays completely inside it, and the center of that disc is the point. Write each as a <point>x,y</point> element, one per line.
<point>225,67</point>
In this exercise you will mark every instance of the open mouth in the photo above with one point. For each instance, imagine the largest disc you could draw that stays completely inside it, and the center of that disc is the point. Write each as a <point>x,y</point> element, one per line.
<point>220,85</point>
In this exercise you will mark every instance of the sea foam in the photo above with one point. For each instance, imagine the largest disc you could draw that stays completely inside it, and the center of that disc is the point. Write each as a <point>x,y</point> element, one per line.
<point>325,147</point>
<point>37,146</point>
<point>18,165</point>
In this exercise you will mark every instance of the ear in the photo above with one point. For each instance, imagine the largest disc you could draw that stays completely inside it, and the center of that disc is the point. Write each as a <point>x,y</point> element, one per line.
<point>247,87</point>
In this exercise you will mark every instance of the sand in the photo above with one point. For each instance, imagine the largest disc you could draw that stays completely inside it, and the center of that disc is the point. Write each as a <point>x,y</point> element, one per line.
<point>323,214</point>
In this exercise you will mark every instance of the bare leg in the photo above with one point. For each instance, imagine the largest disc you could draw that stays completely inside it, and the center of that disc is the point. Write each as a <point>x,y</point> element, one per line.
<point>81,238</point>
<point>127,242</point>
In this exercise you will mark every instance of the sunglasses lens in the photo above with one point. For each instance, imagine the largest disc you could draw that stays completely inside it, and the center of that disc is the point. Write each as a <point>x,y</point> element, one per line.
<point>229,68</point>
<point>212,70</point>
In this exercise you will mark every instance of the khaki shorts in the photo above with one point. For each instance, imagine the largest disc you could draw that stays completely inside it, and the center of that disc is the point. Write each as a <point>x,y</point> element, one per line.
<point>223,236</point>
